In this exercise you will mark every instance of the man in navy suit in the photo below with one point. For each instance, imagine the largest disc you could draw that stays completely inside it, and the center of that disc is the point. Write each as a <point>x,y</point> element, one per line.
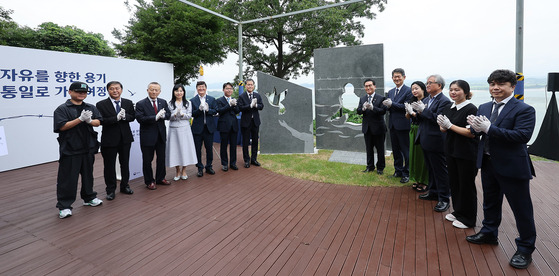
<point>250,103</point>
<point>116,138</point>
<point>399,125</point>
<point>228,127</point>
<point>505,165</point>
<point>151,114</point>
<point>432,140</point>
<point>203,126</point>
<point>373,126</point>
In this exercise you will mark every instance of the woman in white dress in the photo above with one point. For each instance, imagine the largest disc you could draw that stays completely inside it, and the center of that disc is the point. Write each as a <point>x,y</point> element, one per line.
<point>180,151</point>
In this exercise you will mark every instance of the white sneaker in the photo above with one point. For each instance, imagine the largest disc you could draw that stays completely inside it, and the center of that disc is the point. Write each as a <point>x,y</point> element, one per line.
<point>185,177</point>
<point>450,217</point>
<point>64,213</point>
<point>94,202</point>
<point>459,224</point>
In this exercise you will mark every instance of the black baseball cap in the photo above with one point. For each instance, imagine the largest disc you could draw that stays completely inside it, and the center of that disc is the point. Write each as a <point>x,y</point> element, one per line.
<point>79,86</point>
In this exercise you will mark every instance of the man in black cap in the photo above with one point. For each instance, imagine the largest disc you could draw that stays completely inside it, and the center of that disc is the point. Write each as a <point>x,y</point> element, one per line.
<point>74,121</point>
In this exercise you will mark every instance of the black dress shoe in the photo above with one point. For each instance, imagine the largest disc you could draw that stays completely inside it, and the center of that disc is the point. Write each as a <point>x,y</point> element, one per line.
<point>429,196</point>
<point>405,179</point>
<point>200,174</point>
<point>247,164</point>
<point>380,172</point>
<point>234,167</point>
<point>397,175</point>
<point>126,190</point>
<point>520,260</point>
<point>210,171</point>
<point>111,196</point>
<point>224,168</point>
<point>368,170</point>
<point>441,206</point>
<point>255,163</point>
<point>482,238</point>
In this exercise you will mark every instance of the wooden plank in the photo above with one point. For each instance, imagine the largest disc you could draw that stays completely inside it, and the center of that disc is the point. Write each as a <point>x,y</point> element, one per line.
<point>232,223</point>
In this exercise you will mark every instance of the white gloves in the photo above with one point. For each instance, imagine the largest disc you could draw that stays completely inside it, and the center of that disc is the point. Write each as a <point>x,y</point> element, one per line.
<point>121,115</point>
<point>367,105</point>
<point>85,116</point>
<point>204,106</point>
<point>479,123</point>
<point>233,102</point>
<point>443,122</point>
<point>409,109</point>
<point>418,106</point>
<point>160,114</point>
<point>253,103</point>
<point>387,102</point>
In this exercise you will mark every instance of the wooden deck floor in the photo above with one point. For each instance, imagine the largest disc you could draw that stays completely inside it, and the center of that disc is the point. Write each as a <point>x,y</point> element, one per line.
<point>255,222</point>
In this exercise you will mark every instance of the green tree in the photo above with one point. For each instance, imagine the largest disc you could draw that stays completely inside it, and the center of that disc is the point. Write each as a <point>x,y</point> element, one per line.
<point>50,36</point>
<point>171,31</point>
<point>283,47</point>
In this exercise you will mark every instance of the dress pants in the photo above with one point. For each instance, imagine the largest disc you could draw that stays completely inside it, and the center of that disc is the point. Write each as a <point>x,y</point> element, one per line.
<point>400,140</point>
<point>462,179</point>
<point>517,192</point>
<point>109,161</point>
<point>228,138</point>
<point>375,141</point>
<point>438,174</point>
<point>147,158</point>
<point>69,169</point>
<point>207,139</point>
<point>248,132</point>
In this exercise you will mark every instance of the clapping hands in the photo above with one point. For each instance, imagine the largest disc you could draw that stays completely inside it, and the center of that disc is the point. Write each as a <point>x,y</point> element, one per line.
<point>121,115</point>
<point>444,122</point>
<point>418,106</point>
<point>479,123</point>
<point>160,114</point>
<point>85,116</point>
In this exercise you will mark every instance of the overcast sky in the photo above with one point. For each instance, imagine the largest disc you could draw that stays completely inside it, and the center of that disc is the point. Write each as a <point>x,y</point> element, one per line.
<point>457,39</point>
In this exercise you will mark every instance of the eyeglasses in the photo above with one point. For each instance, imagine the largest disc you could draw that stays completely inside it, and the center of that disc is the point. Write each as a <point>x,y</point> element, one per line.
<point>429,83</point>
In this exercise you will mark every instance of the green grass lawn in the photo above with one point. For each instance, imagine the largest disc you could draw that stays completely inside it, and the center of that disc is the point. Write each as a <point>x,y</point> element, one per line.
<point>316,167</point>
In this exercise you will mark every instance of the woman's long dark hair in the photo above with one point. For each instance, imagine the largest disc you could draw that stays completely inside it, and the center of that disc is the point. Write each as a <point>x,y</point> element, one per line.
<point>185,102</point>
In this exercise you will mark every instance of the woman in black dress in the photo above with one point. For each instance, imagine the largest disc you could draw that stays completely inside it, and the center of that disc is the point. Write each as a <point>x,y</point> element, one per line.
<point>461,152</point>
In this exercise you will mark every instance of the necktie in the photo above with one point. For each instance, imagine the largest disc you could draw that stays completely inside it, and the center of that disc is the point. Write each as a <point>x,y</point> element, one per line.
<point>495,112</point>
<point>117,106</point>
<point>250,96</point>
<point>369,100</point>
<point>492,119</point>
<point>228,100</point>
<point>396,93</point>
<point>430,101</point>
<point>154,107</point>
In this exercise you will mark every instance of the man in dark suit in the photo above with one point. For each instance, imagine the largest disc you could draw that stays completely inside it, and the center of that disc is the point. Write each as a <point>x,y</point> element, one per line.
<point>228,127</point>
<point>505,165</point>
<point>373,126</point>
<point>116,138</point>
<point>432,140</point>
<point>203,126</point>
<point>151,113</point>
<point>399,125</point>
<point>250,103</point>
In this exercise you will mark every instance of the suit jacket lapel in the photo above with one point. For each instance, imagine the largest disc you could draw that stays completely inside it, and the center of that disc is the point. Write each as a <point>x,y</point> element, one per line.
<point>506,109</point>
